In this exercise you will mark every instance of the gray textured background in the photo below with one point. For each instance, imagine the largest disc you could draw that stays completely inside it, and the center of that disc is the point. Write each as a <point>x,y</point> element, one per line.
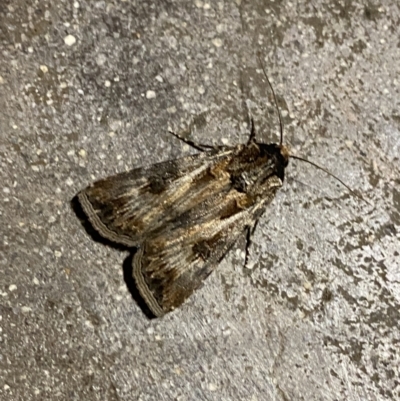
<point>316,314</point>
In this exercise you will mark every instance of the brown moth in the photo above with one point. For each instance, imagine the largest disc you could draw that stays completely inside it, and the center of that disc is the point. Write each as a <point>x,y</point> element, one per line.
<point>184,215</point>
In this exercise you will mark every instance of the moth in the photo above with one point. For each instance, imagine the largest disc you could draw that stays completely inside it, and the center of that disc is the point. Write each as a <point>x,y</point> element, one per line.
<point>184,215</point>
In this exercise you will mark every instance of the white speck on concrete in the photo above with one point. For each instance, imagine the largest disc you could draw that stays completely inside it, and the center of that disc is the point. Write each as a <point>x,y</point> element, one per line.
<point>220,28</point>
<point>217,42</point>
<point>115,124</point>
<point>226,332</point>
<point>89,324</point>
<point>101,59</point>
<point>150,94</point>
<point>70,40</point>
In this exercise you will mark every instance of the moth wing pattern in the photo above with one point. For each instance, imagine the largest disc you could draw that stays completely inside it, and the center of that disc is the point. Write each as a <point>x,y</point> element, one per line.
<point>168,269</point>
<point>128,207</point>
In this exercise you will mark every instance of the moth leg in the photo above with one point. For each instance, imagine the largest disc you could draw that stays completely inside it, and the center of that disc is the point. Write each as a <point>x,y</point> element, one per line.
<point>249,236</point>
<point>252,136</point>
<point>194,145</point>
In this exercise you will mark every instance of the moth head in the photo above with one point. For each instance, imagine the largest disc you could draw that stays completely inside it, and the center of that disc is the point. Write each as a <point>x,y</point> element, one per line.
<point>284,150</point>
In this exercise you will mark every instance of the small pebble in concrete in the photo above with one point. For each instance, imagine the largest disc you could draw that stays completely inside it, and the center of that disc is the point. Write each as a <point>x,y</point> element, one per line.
<point>70,40</point>
<point>150,94</point>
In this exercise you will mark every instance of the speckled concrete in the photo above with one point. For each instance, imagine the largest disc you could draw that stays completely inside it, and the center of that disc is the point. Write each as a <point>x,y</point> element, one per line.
<point>88,89</point>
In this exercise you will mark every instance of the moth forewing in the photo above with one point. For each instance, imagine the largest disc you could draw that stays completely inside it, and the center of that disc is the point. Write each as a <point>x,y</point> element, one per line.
<point>127,207</point>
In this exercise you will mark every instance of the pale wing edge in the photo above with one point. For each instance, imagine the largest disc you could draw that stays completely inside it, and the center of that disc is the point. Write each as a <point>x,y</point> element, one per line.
<point>99,226</point>
<point>141,285</point>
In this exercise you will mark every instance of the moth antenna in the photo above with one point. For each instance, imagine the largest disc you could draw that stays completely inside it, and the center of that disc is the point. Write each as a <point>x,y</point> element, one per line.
<point>297,157</point>
<point>331,175</point>
<point>276,102</point>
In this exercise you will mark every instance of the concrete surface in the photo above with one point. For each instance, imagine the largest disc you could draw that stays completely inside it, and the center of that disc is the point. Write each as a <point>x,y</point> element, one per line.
<point>88,89</point>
